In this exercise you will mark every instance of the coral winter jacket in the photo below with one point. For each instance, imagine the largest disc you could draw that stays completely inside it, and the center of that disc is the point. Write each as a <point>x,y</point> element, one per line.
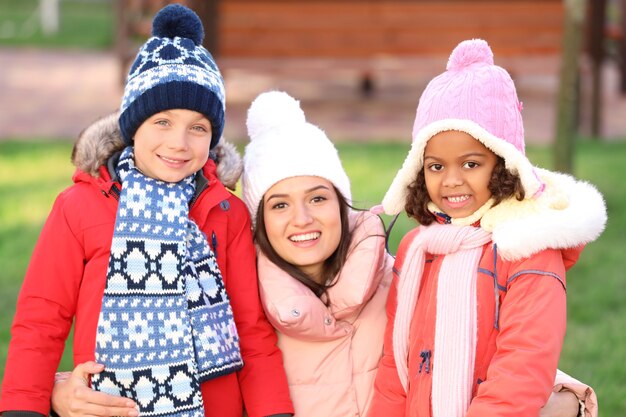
<point>66,279</point>
<point>521,307</point>
<point>514,380</point>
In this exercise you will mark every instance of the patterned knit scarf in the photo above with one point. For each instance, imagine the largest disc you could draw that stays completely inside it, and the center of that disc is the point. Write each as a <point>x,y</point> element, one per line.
<point>455,326</point>
<point>165,323</point>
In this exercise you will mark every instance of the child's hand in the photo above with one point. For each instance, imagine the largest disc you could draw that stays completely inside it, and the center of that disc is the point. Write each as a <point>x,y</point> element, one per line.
<point>561,404</point>
<point>72,397</point>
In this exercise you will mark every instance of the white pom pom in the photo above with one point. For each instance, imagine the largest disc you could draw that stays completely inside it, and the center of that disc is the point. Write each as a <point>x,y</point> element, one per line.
<point>271,110</point>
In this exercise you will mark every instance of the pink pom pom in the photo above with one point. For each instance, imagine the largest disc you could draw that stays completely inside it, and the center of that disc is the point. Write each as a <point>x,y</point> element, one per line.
<point>470,52</point>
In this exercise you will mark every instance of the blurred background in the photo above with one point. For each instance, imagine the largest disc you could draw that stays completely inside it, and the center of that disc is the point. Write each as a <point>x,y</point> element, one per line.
<point>359,68</point>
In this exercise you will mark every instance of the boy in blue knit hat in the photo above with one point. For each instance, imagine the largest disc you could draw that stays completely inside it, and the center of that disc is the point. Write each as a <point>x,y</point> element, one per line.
<point>151,256</point>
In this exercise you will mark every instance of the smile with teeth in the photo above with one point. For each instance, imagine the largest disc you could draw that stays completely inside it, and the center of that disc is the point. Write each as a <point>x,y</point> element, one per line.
<point>305,237</point>
<point>173,161</point>
<point>458,198</point>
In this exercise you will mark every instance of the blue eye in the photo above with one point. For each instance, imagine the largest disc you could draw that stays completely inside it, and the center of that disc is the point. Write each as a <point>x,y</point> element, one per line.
<point>200,128</point>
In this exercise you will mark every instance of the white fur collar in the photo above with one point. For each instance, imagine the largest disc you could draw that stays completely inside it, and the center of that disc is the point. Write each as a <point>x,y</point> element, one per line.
<point>567,214</point>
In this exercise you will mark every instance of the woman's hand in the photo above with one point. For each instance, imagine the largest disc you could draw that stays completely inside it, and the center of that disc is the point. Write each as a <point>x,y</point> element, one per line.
<point>561,404</point>
<point>72,397</point>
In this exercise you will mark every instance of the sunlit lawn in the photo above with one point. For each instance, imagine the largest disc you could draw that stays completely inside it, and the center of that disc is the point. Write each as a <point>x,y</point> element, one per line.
<point>82,24</point>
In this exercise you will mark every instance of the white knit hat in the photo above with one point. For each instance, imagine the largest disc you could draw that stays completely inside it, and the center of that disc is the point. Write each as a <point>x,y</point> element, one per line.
<point>284,145</point>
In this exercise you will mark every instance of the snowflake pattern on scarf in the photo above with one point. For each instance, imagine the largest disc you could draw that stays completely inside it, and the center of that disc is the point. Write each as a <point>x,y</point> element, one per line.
<point>166,323</point>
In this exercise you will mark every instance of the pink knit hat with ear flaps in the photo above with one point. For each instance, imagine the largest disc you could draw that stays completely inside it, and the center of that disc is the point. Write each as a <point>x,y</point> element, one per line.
<point>476,97</point>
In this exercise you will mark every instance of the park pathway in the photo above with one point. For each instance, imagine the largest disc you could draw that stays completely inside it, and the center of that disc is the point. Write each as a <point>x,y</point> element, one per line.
<point>56,93</point>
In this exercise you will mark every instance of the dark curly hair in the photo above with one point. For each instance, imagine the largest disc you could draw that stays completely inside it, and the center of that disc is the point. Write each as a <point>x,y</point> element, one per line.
<point>502,185</point>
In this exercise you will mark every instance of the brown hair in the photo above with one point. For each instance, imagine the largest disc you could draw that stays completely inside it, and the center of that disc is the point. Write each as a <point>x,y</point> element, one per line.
<point>331,266</point>
<point>502,185</point>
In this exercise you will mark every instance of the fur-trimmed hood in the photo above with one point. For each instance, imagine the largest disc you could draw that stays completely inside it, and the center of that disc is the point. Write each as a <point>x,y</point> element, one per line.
<point>568,213</point>
<point>99,141</point>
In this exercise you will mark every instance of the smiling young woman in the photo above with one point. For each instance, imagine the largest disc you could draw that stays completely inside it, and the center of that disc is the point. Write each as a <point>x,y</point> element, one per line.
<point>302,222</point>
<point>323,270</point>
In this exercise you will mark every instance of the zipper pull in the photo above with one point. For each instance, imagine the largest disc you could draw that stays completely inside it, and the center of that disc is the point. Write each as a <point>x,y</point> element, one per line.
<point>425,355</point>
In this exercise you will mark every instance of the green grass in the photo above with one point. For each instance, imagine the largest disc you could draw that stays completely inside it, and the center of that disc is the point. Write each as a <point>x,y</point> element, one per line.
<point>82,24</point>
<point>32,174</point>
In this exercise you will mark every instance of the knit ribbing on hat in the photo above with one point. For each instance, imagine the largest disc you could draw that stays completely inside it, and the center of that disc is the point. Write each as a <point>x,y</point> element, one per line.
<point>284,145</point>
<point>476,97</point>
<point>172,70</point>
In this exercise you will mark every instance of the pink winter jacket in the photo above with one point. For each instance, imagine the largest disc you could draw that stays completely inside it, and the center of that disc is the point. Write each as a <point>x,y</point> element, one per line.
<point>331,353</point>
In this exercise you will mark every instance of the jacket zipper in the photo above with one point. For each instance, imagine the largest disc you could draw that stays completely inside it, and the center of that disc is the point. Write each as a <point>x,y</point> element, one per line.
<point>197,194</point>
<point>115,192</point>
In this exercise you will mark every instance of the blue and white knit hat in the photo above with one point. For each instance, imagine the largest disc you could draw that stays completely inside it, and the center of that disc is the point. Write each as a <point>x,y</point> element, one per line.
<point>173,71</point>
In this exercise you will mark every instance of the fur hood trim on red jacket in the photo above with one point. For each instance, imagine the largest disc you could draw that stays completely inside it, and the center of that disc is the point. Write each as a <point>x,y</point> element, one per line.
<point>569,213</point>
<point>99,141</point>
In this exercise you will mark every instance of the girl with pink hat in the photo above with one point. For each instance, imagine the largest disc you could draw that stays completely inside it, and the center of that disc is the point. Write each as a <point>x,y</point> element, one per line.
<point>477,309</point>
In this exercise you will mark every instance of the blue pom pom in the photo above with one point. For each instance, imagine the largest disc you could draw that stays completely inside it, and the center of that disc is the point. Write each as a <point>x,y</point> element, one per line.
<point>177,20</point>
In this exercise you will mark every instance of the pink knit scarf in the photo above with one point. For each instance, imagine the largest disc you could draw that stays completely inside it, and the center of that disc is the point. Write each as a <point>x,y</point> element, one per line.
<point>455,326</point>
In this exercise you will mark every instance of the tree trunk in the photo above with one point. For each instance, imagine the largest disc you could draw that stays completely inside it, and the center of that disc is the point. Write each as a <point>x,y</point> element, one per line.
<point>597,22</point>
<point>622,47</point>
<point>566,129</point>
<point>208,11</point>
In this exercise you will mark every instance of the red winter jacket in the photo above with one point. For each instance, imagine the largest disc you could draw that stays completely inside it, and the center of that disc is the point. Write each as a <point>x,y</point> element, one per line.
<point>66,279</point>
<point>523,271</point>
<point>515,366</point>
